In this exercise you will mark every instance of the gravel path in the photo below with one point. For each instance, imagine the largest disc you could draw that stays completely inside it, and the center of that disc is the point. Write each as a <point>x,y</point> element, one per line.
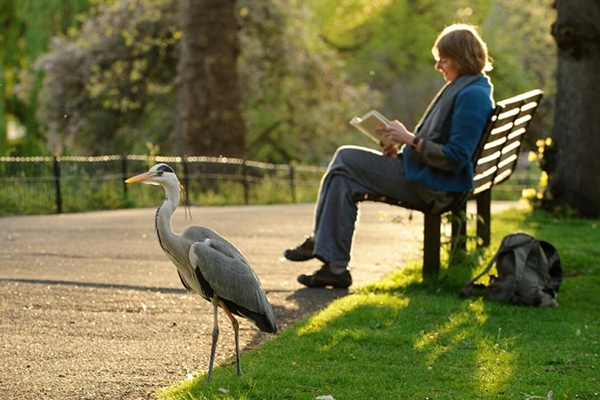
<point>91,308</point>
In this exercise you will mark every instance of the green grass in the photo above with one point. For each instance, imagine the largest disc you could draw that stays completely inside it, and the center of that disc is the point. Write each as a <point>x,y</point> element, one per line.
<point>402,339</point>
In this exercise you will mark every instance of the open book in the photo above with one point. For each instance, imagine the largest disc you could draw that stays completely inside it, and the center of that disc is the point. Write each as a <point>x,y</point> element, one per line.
<point>369,123</point>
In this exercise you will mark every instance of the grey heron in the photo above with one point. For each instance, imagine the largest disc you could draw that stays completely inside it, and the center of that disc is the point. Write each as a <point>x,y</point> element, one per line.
<point>209,265</point>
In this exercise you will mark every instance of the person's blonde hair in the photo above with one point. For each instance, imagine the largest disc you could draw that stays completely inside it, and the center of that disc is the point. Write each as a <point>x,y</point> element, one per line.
<point>462,43</point>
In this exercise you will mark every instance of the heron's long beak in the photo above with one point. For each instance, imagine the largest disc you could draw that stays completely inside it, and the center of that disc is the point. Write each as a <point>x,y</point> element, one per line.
<point>140,178</point>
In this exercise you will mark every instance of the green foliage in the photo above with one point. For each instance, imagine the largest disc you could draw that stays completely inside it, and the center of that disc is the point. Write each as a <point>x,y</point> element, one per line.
<point>121,70</point>
<point>305,68</point>
<point>401,338</point>
<point>388,44</point>
<point>106,84</point>
<point>519,36</point>
<point>40,198</point>
<point>297,96</point>
<point>27,27</point>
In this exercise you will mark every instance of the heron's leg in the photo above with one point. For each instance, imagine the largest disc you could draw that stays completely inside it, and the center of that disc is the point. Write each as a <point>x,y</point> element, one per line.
<point>236,329</point>
<point>215,337</point>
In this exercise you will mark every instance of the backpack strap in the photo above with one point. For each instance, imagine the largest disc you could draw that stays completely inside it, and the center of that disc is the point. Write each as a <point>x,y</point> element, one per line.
<point>555,269</point>
<point>469,286</point>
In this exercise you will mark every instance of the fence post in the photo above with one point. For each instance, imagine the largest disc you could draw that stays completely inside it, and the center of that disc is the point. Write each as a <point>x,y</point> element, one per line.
<point>292,184</point>
<point>245,182</point>
<point>124,171</point>
<point>57,185</point>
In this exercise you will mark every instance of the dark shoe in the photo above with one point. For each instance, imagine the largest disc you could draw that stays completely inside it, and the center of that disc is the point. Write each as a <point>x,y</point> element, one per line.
<point>324,277</point>
<point>304,252</point>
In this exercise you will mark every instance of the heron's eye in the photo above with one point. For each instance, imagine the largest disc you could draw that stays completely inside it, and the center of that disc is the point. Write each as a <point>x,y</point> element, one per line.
<point>159,173</point>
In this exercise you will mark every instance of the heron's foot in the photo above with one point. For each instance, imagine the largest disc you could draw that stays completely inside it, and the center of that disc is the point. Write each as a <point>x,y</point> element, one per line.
<point>303,252</point>
<point>326,277</point>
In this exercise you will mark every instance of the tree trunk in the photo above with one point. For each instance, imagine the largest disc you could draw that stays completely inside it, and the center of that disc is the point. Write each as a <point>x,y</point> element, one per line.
<point>3,132</point>
<point>210,120</point>
<point>575,173</point>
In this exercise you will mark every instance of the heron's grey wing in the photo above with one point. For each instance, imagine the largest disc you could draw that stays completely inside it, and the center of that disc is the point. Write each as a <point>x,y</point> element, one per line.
<point>200,234</point>
<point>230,276</point>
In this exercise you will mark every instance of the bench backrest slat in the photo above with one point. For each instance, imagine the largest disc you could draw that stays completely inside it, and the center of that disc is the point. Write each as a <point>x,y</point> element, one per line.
<point>498,150</point>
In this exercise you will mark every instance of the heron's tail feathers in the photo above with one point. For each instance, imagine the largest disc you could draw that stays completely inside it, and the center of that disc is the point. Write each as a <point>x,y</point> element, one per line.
<point>264,321</point>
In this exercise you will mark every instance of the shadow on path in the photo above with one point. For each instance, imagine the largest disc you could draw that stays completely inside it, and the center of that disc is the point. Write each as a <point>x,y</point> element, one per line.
<point>107,286</point>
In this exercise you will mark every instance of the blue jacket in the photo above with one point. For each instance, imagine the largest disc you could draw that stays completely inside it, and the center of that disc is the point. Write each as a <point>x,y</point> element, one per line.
<point>472,108</point>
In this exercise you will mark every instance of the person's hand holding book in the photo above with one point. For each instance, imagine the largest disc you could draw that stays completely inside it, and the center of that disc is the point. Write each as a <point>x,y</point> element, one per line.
<point>389,150</point>
<point>397,132</point>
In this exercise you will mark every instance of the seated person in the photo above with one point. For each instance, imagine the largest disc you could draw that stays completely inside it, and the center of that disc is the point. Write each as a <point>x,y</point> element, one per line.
<point>432,167</point>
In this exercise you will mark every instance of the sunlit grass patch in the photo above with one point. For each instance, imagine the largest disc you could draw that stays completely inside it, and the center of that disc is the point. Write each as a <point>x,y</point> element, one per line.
<point>378,304</point>
<point>452,333</point>
<point>495,364</point>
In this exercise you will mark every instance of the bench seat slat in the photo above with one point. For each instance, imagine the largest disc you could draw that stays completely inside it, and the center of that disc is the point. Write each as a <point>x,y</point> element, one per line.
<point>488,161</point>
<point>485,153</point>
<point>509,105</point>
<point>532,95</point>
<point>497,173</point>
<point>509,114</point>
<point>493,179</point>
<point>482,188</point>
<point>512,158</point>
<point>497,158</point>
<point>516,133</point>
<point>501,177</point>
<point>495,144</point>
<point>511,145</point>
<point>500,142</point>
<point>501,127</point>
<point>484,179</point>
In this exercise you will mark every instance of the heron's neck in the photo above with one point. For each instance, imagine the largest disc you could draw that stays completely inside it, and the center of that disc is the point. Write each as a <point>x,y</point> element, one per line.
<point>164,213</point>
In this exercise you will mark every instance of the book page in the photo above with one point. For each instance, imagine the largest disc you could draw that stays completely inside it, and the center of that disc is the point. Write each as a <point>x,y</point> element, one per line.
<point>369,124</point>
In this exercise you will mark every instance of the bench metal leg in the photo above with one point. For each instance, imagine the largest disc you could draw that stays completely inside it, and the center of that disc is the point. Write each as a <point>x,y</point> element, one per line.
<point>459,228</point>
<point>458,240</point>
<point>431,247</point>
<point>484,228</point>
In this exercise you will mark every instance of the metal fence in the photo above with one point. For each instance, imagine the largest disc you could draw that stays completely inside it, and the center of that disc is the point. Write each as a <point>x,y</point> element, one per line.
<point>41,185</point>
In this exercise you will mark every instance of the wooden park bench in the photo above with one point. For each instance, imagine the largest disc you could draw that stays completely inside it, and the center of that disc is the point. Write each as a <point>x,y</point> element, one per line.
<point>494,161</point>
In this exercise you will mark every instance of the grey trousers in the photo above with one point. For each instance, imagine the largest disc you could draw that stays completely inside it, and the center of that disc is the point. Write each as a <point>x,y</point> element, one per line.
<point>352,171</point>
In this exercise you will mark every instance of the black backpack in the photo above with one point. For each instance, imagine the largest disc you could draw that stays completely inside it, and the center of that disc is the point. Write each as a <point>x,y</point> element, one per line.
<point>529,273</point>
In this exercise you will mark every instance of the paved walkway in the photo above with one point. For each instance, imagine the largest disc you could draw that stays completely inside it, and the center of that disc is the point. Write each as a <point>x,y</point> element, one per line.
<point>91,308</point>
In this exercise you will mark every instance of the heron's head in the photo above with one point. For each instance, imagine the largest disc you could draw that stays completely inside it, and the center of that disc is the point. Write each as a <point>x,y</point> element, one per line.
<point>160,174</point>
